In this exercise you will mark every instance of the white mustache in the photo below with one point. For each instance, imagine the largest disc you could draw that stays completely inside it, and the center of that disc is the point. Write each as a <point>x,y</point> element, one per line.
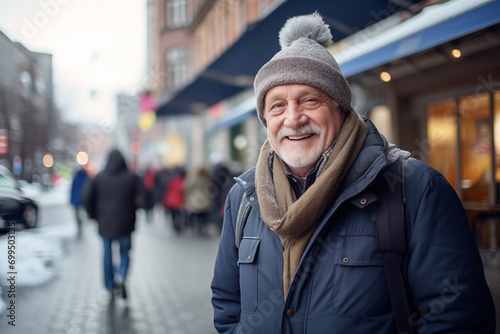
<point>303,130</point>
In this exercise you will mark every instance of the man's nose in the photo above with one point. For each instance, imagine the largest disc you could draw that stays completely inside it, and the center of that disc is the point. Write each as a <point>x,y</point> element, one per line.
<point>294,116</point>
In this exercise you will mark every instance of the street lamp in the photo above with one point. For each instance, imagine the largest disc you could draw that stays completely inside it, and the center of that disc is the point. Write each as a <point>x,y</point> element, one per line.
<point>48,160</point>
<point>82,158</point>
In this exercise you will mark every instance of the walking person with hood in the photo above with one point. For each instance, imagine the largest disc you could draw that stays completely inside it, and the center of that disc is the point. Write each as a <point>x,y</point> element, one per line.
<point>308,257</point>
<point>112,198</point>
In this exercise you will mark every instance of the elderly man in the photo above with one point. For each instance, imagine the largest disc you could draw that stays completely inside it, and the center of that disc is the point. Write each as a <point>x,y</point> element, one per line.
<point>308,260</point>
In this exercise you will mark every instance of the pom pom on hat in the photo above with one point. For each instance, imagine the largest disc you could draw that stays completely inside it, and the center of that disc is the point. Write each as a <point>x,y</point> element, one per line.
<point>306,26</point>
<point>303,59</point>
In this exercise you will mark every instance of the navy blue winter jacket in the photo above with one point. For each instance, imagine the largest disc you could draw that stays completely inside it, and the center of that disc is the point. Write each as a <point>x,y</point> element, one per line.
<point>339,286</point>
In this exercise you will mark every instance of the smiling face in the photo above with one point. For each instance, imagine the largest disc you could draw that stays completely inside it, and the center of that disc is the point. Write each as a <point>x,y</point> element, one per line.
<point>302,123</point>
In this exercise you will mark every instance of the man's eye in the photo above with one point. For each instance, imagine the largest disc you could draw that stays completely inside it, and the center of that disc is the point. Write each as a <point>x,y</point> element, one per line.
<point>276,109</point>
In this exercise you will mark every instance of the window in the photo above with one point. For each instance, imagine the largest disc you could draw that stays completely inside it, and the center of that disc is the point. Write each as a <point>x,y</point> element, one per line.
<point>262,6</point>
<point>6,182</point>
<point>177,13</point>
<point>242,15</point>
<point>475,142</point>
<point>496,140</point>
<point>442,136</point>
<point>464,145</point>
<point>177,64</point>
<point>381,116</point>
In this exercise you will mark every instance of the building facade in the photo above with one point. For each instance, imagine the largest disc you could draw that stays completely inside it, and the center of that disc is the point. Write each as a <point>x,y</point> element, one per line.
<point>435,90</point>
<point>187,37</point>
<point>427,74</point>
<point>27,113</point>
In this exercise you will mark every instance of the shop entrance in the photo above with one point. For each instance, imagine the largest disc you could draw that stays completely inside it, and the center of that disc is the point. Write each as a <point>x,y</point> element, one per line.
<point>464,145</point>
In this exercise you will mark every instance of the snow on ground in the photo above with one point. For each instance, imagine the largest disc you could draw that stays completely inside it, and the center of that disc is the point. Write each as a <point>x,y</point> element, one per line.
<point>58,194</point>
<point>36,250</point>
<point>2,303</point>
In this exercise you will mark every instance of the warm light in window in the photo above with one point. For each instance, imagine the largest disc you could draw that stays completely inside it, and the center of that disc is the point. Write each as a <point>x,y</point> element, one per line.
<point>456,53</point>
<point>385,76</point>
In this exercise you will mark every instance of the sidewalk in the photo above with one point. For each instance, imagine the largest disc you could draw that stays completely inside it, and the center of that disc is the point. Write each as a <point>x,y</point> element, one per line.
<point>492,273</point>
<point>168,287</point>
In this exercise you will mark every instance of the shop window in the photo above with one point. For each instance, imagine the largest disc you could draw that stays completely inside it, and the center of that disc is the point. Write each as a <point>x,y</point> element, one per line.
<point>382,118</point>
<point>466,161</point>
<point>237,150</point>
<point>475,142</point>
<point>442,137</point>
<point>496,136</point>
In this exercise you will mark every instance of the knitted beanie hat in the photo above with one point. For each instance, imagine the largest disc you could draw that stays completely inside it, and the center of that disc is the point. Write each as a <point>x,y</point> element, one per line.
<point>303,59</point>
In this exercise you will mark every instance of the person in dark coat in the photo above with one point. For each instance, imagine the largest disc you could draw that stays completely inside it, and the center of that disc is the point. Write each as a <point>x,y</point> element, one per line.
<point>112,198</point>
<point>223,180</point>
<point>308,259</point>
<point>77,185</point>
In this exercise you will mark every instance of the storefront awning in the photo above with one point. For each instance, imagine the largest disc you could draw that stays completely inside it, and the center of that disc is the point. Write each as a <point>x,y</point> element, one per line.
<point>462,25</point>
<point>234,116</point>
<point>234,70</point>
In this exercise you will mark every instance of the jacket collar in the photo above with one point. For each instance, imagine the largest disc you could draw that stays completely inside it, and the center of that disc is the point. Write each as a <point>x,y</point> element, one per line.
<point>247,180</point>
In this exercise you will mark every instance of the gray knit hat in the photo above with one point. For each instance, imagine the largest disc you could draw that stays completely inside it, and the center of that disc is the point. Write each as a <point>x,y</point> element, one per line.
<point>303,59</point>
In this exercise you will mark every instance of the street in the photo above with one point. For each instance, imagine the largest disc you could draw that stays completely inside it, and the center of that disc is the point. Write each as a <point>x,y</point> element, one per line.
<point>57,282</point>
<point>57,286</point>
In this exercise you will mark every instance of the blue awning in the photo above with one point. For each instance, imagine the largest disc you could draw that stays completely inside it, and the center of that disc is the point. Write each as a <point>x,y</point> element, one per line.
<point>234,116</point>
<point>231,121</point>
<point>234,70</point>
<point>454,28</point>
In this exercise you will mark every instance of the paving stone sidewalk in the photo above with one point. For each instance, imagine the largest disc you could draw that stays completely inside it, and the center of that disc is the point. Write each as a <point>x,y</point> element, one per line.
<point>168,287</point>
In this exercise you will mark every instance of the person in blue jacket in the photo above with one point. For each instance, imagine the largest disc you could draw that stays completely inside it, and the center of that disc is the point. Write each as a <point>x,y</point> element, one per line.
<point>308,260</point>
<point>77,186</point>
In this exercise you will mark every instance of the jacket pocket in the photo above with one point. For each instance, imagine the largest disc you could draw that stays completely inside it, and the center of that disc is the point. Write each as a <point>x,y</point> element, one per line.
<point>247,260</point>
<point>359,283</point>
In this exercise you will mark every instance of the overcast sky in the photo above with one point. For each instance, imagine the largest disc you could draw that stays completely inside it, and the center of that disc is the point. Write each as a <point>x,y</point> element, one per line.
<point>98,49</point>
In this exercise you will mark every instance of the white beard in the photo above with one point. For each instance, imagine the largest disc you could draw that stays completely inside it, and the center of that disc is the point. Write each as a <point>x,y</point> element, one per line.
<point>299,158</point>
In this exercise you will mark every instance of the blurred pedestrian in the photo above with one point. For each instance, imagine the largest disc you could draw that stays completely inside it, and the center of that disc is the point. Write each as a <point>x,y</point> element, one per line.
<point>223,181</point>
<point>149,186</point>
<point>161,178</point>
<point>200,196</point>
<point>46,181</point>
<point>77,185</point>
<point>174,199</point>
<point>112,199</point>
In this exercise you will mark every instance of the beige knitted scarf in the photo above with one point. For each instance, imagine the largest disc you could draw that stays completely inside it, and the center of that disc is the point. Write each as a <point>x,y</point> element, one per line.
<point>294,221</point>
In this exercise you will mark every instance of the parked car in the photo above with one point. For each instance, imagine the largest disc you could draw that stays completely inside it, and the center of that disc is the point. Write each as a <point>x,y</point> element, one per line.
<point>15,205</point>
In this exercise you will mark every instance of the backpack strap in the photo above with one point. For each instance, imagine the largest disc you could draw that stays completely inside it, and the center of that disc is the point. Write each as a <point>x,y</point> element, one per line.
<point>392,242</point>
<point>243,212</point>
